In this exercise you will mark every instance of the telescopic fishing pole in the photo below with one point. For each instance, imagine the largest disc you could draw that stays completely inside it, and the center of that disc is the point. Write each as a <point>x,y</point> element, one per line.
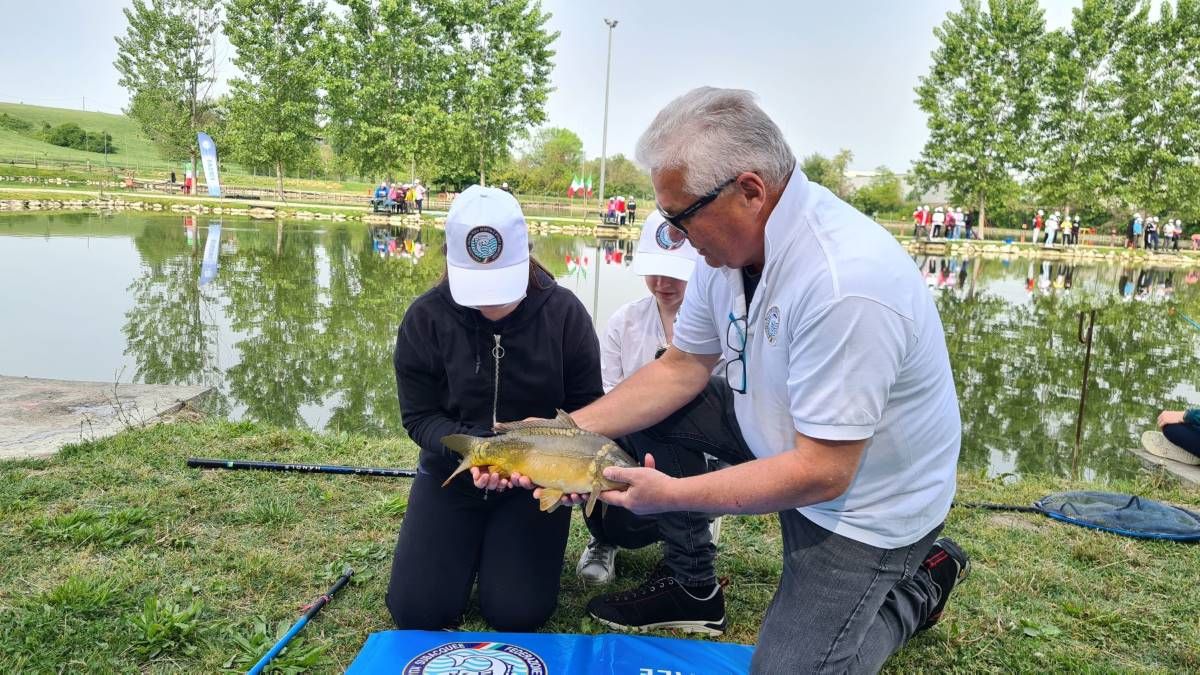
<point>309,613</point>
<point>234,464</point>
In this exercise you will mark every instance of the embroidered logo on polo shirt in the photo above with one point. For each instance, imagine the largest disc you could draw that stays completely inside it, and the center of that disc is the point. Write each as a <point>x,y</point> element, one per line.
<point>771,324</point>
<point>662,237</point>
<point>484,244</point>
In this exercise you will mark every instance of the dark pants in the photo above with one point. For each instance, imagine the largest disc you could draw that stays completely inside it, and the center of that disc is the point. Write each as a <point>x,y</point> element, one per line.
<point>451,536</point>
<point>841,605</point>
<point>1185,436</point>
<point>420,206</point>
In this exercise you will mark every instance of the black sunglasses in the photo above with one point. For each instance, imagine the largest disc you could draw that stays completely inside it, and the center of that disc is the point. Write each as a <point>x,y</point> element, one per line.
<point>676,221</point>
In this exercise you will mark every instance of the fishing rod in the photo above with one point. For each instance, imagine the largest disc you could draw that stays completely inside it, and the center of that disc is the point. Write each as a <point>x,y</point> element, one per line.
<point>310,611</point>
<point>1185,317</point>
<point>235,464</point>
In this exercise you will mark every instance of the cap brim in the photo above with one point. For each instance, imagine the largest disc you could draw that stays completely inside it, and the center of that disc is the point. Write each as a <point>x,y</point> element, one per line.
<point>663,265</point>
<point>480,288</point>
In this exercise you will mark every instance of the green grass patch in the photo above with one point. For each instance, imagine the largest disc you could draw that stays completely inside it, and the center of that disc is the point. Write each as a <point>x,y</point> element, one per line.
<point>119,558</point>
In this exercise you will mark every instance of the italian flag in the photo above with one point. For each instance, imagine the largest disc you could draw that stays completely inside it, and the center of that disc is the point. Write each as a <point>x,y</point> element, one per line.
<point>576,186</point>
<point>589,185</point>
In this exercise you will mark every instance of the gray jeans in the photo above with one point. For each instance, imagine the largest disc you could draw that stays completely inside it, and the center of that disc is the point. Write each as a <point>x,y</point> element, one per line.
<point>841,605</point>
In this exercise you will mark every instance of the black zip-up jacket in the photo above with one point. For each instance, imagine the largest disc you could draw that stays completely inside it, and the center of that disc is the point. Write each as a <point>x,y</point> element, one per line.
<point>446,361</point>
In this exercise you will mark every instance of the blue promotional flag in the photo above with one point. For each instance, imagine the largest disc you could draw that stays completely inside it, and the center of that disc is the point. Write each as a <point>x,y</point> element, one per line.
<point>413,652</point>
<point>212,248</point>
<point>208,159</point>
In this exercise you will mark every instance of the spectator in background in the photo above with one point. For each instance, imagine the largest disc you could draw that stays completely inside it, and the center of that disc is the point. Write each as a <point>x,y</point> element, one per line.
<point>504,186</point>
<point>1039,221</point>
<point>918,217</point>
<point>396,197</point>
<point>1176,233</point>
<point>621,210</point>
<point>410,196</point>
<point>421,191</point>
<point>632,206</point>
<point>939,222</point>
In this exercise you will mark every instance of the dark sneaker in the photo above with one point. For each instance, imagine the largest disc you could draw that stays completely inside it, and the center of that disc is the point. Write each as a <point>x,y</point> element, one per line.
<point>598,564</point>
<point>948,565</point>
<point>661,602</point>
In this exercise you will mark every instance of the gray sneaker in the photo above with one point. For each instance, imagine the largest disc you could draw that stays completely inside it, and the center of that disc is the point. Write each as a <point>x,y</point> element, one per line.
<point>598,564</point>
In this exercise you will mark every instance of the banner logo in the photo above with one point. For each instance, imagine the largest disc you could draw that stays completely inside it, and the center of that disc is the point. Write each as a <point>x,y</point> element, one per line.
<point>482,658</point>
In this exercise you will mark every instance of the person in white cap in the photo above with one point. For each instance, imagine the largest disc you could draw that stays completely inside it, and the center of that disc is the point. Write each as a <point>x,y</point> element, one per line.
<point>638,332</point>
<point>496,340</point>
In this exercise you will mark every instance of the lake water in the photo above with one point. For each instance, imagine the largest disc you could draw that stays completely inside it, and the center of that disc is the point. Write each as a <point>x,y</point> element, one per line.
<point>295,326</point>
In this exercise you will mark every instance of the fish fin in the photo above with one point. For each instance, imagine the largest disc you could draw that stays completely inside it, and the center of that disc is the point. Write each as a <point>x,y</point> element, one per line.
<point>565,420</point>
<point>550,499</point>
<point>592,499</point>
<point>561,421</point>
<point>463,466</point>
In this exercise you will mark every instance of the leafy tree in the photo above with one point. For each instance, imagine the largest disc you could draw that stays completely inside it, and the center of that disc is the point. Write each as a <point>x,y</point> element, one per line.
<point>883,194</point>
<point>273,108</point>
<point>1160,111</point>
<point>981,96</point>
<point>383,62</point>
<point>829,172</point>
<point>549,160</point>
<point>165,61</point>
<point>1083,137</point>
<point>496,77</point>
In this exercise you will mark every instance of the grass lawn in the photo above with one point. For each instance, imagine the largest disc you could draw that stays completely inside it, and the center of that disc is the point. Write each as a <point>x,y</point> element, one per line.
<point>132,145</point>
<point>118,558</point>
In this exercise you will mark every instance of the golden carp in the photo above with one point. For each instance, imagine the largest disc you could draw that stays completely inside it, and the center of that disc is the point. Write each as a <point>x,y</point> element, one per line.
<point>556,454</point>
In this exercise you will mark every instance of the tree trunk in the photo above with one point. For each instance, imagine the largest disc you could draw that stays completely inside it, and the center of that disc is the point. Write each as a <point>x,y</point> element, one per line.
<point>482,179</point>
<point>279,180</point>
<point>982,217</point>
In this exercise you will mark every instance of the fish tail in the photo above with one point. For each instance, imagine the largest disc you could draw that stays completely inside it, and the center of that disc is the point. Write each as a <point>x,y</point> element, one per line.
<point>461,444</point>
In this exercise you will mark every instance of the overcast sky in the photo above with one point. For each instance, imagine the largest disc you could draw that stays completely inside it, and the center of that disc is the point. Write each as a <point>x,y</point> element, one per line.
<point>832,74</point>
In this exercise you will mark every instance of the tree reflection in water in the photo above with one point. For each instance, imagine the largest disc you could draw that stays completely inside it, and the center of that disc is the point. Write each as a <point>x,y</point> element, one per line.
<point>298,329</point>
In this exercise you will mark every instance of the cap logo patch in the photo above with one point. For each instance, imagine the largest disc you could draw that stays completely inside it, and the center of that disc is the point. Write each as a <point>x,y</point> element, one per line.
<point>484,244</point>
<point>662,237</point>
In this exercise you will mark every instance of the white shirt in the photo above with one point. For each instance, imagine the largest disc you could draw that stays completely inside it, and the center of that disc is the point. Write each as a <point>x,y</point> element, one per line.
<point>634,334</point>
<point>845,343</point>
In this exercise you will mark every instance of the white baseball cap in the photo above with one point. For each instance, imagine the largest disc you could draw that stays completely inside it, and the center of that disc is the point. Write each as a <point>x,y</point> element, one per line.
<point>658,254</point>
<point>487,248</point>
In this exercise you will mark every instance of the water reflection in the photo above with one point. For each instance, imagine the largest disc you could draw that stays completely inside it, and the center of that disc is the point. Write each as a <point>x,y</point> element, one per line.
<point>296,327</point>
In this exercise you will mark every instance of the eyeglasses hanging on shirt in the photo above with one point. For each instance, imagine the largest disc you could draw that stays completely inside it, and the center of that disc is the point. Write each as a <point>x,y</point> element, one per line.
<point>735,337</point>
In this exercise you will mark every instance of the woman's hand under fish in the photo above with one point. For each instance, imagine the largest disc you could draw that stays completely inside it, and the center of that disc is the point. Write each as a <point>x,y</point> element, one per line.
<point>488,480</point>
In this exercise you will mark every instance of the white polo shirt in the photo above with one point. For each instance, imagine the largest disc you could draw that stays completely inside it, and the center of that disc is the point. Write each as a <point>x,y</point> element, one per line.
<point>635,332</point>
<point>845,343</point>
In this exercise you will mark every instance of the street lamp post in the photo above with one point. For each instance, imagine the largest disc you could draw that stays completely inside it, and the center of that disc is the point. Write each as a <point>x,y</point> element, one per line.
<point>611,23</point>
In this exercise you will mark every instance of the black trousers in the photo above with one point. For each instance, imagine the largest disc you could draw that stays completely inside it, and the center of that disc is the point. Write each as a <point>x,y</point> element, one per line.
<point>453,536</point>
<point>1183,435</point>
<point>679,443</point>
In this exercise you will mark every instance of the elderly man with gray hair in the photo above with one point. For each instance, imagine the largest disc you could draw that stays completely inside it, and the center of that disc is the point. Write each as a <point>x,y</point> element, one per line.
<point>837,409</point>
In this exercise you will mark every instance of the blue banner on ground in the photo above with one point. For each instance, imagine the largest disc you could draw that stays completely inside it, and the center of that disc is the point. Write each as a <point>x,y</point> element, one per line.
<point>208,159</point>
<point>212,250</point>
<point>414,652</point>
